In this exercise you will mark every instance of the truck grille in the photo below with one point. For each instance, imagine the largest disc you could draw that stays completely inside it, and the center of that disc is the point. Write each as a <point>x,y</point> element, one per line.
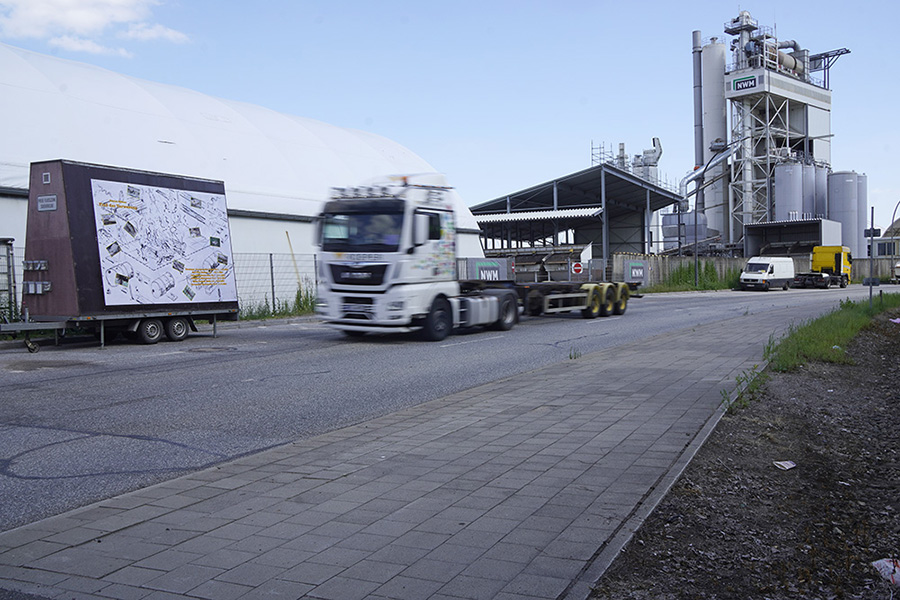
<point>358,308</point>
<point>363,275</point>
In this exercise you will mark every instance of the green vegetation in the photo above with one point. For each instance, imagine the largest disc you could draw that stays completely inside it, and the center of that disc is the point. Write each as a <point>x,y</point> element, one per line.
<point>304,303</point>
<point>682,279</point>
<point>825,338</point>
<point>749,386</point>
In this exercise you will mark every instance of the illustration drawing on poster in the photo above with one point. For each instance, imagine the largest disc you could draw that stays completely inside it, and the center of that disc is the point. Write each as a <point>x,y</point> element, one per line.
<point>161,245</point>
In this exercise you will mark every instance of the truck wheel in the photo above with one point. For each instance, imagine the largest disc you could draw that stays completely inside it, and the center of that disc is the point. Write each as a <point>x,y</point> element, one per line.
<point>508,313</point>
<point>593,306</point>
<point>177,329</point>
<point>439,321</point>
<point>150,331</point>
<point>843,282</point>
<point>622,304</point>
<point>786,286</point>
<point>609,299</point>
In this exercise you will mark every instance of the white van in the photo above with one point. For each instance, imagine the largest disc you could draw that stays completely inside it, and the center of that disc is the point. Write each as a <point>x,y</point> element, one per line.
<point>764,272</point>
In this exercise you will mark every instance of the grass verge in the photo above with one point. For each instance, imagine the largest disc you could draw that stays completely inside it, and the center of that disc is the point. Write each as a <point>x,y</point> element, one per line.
<point>825,338</point>
<point>682,280</point>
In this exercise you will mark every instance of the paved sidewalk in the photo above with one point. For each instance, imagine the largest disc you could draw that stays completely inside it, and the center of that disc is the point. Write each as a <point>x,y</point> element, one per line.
<point>523,488</point>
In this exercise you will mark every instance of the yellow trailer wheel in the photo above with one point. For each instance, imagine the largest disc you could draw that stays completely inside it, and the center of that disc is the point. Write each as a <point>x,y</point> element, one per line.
<point>594,301</point>
<point>609,300</point>
<point>624,293</point>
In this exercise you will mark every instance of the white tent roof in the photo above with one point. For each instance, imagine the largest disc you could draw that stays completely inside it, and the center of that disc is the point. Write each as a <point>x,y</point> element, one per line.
<point>270,162</point>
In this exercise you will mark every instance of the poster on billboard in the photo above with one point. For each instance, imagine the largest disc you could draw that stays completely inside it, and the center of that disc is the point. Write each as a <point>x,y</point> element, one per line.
<point>162,245</point>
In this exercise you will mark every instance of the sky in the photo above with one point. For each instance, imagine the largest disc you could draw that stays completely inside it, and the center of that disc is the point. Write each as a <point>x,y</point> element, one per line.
<point>499,95</point>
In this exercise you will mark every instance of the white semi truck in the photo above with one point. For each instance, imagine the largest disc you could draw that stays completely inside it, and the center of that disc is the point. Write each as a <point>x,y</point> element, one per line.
<point>389,262</point>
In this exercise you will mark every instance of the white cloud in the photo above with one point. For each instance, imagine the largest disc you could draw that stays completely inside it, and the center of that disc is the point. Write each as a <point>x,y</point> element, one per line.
<point>146,32</point>
<point>76,44</point>
<point>82,25</point>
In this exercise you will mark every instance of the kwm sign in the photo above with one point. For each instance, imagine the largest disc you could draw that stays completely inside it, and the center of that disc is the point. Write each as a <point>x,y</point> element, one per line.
<point>745,83</point>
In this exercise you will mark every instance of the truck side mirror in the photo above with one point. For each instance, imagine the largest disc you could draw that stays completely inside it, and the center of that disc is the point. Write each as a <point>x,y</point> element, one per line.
<point>420,229</point>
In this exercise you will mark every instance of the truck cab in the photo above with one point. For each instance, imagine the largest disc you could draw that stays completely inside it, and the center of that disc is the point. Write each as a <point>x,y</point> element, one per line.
<point>388,262</point>
<point>829,265</point>
<point>834,260</point>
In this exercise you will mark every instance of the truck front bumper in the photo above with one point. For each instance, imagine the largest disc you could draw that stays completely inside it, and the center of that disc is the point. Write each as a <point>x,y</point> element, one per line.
<point>367,312</point>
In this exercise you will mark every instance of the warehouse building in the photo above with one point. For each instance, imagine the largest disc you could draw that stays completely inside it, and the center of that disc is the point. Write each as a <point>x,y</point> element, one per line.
<point>277,168</point>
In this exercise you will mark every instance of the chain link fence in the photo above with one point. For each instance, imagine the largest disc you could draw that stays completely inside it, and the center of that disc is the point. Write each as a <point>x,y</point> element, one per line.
<point>274,282</point>
<point>267,283</point>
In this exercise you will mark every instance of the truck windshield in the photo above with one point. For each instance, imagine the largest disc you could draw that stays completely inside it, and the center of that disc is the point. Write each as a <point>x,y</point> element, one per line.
<point>361,232</point>
<point>756,268</point>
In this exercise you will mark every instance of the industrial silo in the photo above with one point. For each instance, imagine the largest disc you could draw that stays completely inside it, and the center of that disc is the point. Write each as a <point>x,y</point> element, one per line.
<point>715,127</point>
<point>821,210</point>
<point>843,194</point>
<point>809,191</point>
<point>788,191</point>
<point>862,214</point>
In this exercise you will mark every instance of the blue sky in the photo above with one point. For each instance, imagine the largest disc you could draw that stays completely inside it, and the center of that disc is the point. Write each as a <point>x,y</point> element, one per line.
<point>497,94</point>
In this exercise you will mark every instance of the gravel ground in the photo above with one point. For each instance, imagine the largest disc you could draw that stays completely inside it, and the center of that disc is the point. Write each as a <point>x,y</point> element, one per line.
<point>737,526</point>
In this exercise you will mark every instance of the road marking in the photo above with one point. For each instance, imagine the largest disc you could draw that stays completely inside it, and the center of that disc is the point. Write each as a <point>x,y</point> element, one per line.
<point>493,337</point>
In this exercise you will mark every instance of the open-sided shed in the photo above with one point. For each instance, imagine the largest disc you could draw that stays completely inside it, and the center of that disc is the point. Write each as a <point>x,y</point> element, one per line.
<point>603,205</point>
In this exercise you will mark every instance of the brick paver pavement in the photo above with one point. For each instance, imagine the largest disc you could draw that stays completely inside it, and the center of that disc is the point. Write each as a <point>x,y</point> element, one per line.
<point>522,488</point>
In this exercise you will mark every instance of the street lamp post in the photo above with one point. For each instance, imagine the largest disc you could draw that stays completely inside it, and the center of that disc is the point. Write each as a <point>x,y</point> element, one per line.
<point>893,244</point>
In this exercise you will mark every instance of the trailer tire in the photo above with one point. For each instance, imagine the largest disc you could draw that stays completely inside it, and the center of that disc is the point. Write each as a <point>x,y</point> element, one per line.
<point>509,312</point>
<point>594,304</point>
<point>786,286</point>
<point>150,331</point>
<point>177,329</point>
<point>534,303</point>
<point>621,304</point>
<point>439,321</point>
<point>609,300</point>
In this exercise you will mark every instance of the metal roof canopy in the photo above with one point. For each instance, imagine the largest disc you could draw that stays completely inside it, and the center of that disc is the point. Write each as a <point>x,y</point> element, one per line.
<point>784,238</point>
<point>573,202</point>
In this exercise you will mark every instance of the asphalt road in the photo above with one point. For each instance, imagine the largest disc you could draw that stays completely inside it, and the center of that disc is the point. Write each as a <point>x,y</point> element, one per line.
<point>80,424</point>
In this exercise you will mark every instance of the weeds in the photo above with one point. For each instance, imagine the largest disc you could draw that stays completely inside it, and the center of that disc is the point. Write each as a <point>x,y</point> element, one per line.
<point>749,386</point>
<point>303,303</point>
<point>825,338</point>
<point>574,353</point>
<point>682,279</point>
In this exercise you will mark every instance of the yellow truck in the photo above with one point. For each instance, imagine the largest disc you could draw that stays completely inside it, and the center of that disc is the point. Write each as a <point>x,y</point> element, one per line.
<point>829,265</point>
